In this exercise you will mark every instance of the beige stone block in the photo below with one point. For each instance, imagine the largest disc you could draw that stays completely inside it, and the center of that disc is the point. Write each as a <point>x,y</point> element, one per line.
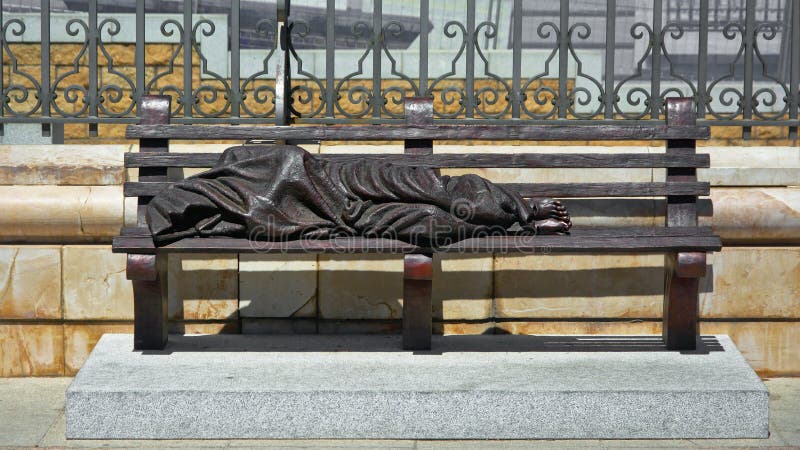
<point>572,285</point>
<point>334,148</point>
<point>131,211</point>
<point>462,287</point>
<point>95,285</point>
<point>770,347</point>
<point>751,166</point>
<point>360,286</point>
<point>61,164</point>
<point>30,282</point>
<point>749,176</point>
<point>64,54</point>
<point>726,132</point>
<point>27,53</point>
<point>60,213</point>
<point>636,327</point>
<point>31,350</point>
<point>74,131</point>
<point>120,55</point>
<point>752,282</point>
<point>158,53</point>
<point>277,285</point>
<point>203,286</point>
<point>80,339</point>
<point>756,215</point>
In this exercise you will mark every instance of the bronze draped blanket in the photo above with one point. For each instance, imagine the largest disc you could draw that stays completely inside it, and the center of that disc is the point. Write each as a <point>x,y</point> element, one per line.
<point>282,192</point>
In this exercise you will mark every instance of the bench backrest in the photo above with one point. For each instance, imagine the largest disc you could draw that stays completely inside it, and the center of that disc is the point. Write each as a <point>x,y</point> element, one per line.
<point>680,187</point>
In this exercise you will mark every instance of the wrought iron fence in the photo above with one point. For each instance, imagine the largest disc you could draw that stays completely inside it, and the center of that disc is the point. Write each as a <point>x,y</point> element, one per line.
<point>325,61</point>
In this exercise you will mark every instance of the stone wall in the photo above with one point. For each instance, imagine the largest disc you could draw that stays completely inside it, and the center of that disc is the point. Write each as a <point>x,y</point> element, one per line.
<point>61,288</point>
<point>159,55</point>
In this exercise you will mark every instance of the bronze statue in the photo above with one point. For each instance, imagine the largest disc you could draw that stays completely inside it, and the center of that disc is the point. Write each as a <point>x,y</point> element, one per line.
<point>282,192</point>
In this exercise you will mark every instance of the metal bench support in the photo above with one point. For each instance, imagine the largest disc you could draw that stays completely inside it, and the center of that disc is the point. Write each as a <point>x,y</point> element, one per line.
<point>148,272</point>
<point>418,269</point>
<point>684,270</point>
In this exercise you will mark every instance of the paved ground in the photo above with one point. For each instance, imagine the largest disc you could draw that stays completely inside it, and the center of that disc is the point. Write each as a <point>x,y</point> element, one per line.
<point>32,414</point>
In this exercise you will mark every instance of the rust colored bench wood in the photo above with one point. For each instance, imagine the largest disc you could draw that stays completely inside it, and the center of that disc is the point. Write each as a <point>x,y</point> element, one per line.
<point>681,240</point>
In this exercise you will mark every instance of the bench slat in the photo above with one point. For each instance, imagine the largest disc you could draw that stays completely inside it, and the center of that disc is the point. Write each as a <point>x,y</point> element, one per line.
<point>517,244</point>
<point>558,190</point>
<point>436,132</point>
<point>452,160</point>
<point>576,232</point>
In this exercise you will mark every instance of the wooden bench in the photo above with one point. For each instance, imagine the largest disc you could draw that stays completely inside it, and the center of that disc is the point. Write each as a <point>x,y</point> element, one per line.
<point>681,239</point>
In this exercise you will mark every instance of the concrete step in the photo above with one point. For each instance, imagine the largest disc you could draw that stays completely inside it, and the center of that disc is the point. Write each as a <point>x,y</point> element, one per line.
<point>467,387</point>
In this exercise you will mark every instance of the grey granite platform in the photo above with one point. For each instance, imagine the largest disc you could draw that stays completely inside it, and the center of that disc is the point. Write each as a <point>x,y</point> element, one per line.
<point>469,387</point>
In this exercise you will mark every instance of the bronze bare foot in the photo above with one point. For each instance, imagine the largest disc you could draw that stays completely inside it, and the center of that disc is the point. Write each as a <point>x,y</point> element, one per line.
<point>548,208</point>
<point>551,226</point>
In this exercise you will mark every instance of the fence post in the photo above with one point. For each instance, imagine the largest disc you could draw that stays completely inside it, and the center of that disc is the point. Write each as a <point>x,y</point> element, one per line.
<point>45,66</point>
<point>794,77</point>
<point>749,38</point>
<point>283,88</point>
<point>236,93</point>
<point>563,59</point>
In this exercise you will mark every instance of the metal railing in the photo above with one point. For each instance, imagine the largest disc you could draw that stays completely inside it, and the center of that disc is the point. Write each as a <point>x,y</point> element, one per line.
<point>597,61</point>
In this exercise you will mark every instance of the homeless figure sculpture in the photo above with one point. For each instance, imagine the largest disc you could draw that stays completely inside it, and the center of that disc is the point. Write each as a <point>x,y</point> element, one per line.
<point>282,193</point>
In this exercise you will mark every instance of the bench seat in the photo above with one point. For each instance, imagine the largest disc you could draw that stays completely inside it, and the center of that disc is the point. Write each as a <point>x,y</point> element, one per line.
<point>592,239</point>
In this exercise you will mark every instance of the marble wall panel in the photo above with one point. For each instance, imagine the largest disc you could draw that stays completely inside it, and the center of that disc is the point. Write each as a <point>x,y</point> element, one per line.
<point>30,282</point>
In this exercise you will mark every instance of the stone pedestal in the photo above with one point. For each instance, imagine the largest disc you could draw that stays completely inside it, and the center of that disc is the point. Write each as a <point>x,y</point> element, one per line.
<point>468,387</point>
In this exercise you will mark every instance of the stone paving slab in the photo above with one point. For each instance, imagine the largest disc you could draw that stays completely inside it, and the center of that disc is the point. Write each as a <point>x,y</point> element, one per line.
<point>364,387</point>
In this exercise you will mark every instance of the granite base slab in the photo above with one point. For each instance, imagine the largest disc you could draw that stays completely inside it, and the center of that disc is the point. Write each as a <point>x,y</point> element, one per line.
<point>468,387</point>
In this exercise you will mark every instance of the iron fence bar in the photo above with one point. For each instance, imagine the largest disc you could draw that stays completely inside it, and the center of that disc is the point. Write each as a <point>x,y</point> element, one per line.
<point>377,36</point>
<point>188,101</point>
<point>516,70</point>
<point>469,75</point>
<point>424,17</point>
<point>497,21</point>
<point>283,81</point>
<point>330,55</point>
<point>563,47</point>
<point>794,77</point>
<point>92,38</point>
<point>235,63</point>
<point>655,81</point>
<point>45,62</point>
<point>608,94</point>
<point>749,36</point>
<point>140,55</point>
<point>702,60</point>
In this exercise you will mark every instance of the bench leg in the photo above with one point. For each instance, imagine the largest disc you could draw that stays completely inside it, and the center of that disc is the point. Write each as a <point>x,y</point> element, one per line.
<point>149,301</point>
<point>417,307</point>
<point>681,298</point>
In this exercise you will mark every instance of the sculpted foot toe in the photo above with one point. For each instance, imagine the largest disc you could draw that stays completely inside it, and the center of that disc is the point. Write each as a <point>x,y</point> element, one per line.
<point>547,208</point>
<point>552,226</point>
